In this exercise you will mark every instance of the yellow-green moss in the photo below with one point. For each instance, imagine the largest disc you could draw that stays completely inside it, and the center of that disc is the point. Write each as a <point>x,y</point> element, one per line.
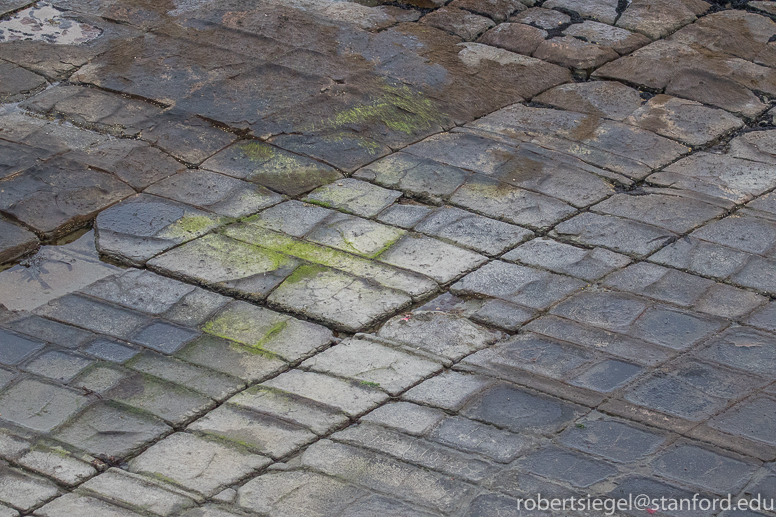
<point>257,151</point>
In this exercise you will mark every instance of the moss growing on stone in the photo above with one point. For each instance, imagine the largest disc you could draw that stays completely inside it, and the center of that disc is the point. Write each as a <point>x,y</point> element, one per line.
<point>257,151</point>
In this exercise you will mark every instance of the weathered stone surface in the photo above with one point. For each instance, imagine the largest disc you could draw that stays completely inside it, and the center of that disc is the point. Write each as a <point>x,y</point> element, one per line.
<point>498,10</point>
<point>749,418</point>
<point>756,146</point>
<point>292,217</point>
<point>458,21</point>
<point>186,136</point>
<point>606,99</point>
<point>405,417</point>
<point>515,37</point>
<point>26,401</point>
<point>221,194</point>
<point>564,258</point>
<point>24,491</point>
<point>72,504</point>
<point>430,257</point>
<point>704,468</point>
<point>544,18</point>
<point>602,10</point>
<point>620,40</point>
<point>271,167</point>
<point>354,196</point>
<point>59,195</point>
<point>683,120</point>
<point>197,464</point>
<point>574,53</point>
<point>355,235</point>
<point>612,439</point>
<point>621,235</point>
<point>18,83</point>
<point>145,226</point>
<point>659,18</point>
<point>231,358</point>
<point>575,469</point>
<point>15,241</point>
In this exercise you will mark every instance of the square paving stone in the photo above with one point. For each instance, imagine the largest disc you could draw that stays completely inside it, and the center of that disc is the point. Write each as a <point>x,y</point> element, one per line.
<point>564,258</point>
<point>702,467</point>
<point>221,194</point>
<point>164,337</point>
<point>407,448</point>
<point>608,99</point>
<point>752,418</point>
<point>351,397</point>
<point>607,375</point>
<point>141,290</point>
<point>405,417</point>
<point>372,364</point>
<point>355,235</point>
<point>172,403</point>
<point>570,467</point>
<point>472,231</point>
<point>208,382</point>
<point>518,284</point>
<point>245,363</point>
<point>618,234</point>
<point>58,195</point>
<point>746,349</point>
<point>292,217</point>
<point>186,136</point>
<point>226,263</point>
<point>16,348</point>
<point>445,335</point>
<point>423,178</point>
<point>111,350</point>
<point>125,488</point>
<point>671,395</point>
<point>529,352</point>
<point>659,208</point>
<point>344,301</point>
<point>271,167</point>
<point>196,464</point>
<point>430,257</point>
<point>72,504</point>
<point>702,257</point>
<point>403,216</point>
<point>612,439</point>
<point>520,411</point>
<point>60,366</point>
<point>675,329</point>
<point>98,378</point>
<point>144,226</point>
<point>377,471</point>
<point>750,234</point>
<point>345,150</point>
<point>93,315</point>
<point>286,494</point>
<point>39,406</point>
<point>500,200</point>
<point>268,331</point>
<point>195,307</point>
<point>262,433</point>
<point>51,331</point>
<point>15,241</point>
<point>449,390</point>
<point>468,435</point>
<point>721,176</point>
<point>106,429</point>
<point>24,491</point>
<point>316,416</point>
<point>354,196</point>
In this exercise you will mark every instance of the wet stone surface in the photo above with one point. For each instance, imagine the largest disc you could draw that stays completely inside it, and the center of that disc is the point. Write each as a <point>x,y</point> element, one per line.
<point>416,258</point>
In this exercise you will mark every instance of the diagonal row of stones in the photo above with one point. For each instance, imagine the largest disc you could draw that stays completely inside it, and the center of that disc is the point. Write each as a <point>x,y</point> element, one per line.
<point>250,386</point>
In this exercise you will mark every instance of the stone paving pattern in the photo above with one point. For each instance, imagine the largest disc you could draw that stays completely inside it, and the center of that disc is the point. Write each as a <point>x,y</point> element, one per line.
<point>416,258</point>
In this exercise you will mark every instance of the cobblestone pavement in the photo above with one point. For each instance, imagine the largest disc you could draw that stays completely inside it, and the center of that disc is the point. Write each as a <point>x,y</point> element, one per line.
<point>320,258</point>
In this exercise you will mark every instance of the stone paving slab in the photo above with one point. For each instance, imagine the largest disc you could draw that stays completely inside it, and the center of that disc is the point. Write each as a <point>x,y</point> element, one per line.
<point>416,258</point>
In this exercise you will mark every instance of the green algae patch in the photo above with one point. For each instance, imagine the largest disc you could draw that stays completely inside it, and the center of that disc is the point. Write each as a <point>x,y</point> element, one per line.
<point>248,326</point>
<point>305,273</point>
<point>190,226</point>
<point>398,107</point>
<point>257,151</point>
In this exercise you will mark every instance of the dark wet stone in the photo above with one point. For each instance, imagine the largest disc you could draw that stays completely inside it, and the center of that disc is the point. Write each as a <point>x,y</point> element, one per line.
<point>164,337</point>
<point>15,158</point>
<point>111,431</point>
<point>18,83</point>
<point>271,167</point>
<point>354,196</point>
<point>292,217</point>
<point>186,137</point>
<point>93,315</point>
<point>520,411</point>
<point>619,234</point>
<point>94,109</point>
<point>135,163</point>
<point>345,150</point>
<point>709,470</point>
<point>218,193</point>
<point>231,358</point>
<point>569,467</point>
<point>607,375</point>
<point>51,331</point>
<point>403,216</point>
<point>612,439</point>
<point>469,435</point>
<point>15,241</point>
<point>60,195</point>
<point>144,226</point>
<point>111,351</point>
<point>458,21</point>
<point>16,348</point>
<point>515,37</point>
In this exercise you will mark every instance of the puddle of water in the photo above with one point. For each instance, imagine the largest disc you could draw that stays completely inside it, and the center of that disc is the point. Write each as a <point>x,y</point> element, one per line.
<point>52,272</point>
<point>43,22</point>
